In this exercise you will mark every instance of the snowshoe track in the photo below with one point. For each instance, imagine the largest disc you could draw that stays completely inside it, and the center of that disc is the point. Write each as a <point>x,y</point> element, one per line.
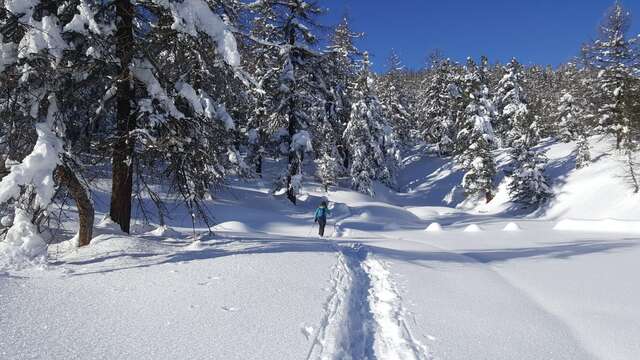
<point>363,316</point>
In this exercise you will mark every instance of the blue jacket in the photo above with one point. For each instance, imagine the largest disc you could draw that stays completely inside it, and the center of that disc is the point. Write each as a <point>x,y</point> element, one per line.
<point>321,213</point>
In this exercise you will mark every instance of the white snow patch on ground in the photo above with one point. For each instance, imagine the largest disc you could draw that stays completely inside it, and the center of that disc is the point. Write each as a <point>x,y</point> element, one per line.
<point>511,227</point>
<point>605,225</point>
<point>473,228</point>
<point>433,227</point>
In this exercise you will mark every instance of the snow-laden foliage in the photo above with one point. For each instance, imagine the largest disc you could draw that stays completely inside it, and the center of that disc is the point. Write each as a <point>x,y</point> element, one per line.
<point>439,106</point>
<point>511,104</point>
<point>476,138</point>
<point>369,144</point>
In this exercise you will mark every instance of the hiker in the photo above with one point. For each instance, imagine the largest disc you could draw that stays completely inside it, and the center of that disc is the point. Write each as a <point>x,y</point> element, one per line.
<point>321,217</point>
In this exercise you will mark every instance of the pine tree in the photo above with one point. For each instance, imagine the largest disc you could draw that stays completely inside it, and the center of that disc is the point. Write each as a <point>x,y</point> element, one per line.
<point>529,184</point>
<point>341,69</point>
<point>365,136</point>
<point>511,104</point>
<point>297,81</point>
<point>476,138</point>
<point>439,106</point>
<point>328,162</point>
<point>143,89</point>
<point>569,115</point>
<point>613,55</point>
<point>395,97</point>
<point>583,153</point>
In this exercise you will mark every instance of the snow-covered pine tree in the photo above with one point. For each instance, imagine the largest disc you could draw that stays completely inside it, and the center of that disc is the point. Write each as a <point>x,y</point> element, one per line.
<point>613,55</point>
<point>172,56</point>
<point>631,142</point>
<point>439,106</point>
<point>511,105</point>
<point>365,136</point>
<point>341,72</point>
<point>476,138</point>
<point>529,184</point>
<point>583,152</point>
<point>394,94</point>
<point>296,82</point>
<point>543,94</point>
<point>45,79</point>
<point>569,118</point>
<point>328,164</point>
<point>121,86</point>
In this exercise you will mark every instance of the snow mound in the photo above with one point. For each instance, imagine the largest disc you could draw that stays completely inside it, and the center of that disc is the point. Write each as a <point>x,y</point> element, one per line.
<point>433,227</point>
<point>233,226</point>
<point>511,227</point>
<point>195,246</point>
<point>23,245</point>
<point>606,225</point>
<point>473,228</point>
<point>108,226</point>
<point>164,231</point>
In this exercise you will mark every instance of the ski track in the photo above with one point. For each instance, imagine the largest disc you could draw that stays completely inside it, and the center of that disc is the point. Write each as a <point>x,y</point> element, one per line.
<point>364,318</point>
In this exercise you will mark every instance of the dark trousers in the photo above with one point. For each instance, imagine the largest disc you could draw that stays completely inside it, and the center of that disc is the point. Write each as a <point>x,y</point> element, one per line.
<point>322,222</point>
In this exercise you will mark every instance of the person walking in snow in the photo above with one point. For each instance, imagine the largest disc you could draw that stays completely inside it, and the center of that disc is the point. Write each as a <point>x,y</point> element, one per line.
<point>321,217</point>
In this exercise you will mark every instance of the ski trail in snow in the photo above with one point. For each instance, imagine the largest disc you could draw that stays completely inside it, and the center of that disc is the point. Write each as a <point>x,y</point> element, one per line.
<point>393,339</point>
<point>345,330</point>
<point>363,317</point>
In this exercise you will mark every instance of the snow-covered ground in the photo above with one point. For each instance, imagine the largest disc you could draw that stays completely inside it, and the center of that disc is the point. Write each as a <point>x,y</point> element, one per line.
<point>485,282</point>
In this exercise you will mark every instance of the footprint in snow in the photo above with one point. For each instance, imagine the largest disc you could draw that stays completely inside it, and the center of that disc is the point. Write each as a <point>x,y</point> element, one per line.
<point>230,308</point>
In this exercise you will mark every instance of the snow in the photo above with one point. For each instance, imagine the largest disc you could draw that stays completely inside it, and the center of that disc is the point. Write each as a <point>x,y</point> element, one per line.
<point>581,192</point>
<point>604,225</point>
<point>43,35</point>
<point>164,231</point>
<point>8,54</point>
<point>143,71</point>
<point>84,21</point>
<point>214,111</point>
<point>23,245</point>
<point>263,286</point>
<point>433,227</point>
<point>301,141</point>
<point>511,227</point>
<point>37,168</point>
<point>21,6</point>
<point>233,226</point>
<point>193,16</point>
<point>393,339</point>
<point>473,228</point>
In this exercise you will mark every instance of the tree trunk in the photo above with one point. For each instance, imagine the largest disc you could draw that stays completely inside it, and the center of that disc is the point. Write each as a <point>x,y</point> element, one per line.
<point>122,171</point>
<point>295,166</point>
<point>78,192</point>
<point>258,163</point>
<point>488,196</point>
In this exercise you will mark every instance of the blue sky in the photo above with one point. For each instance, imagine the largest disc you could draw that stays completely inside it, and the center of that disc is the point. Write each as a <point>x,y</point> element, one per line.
<point>534,31</point>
